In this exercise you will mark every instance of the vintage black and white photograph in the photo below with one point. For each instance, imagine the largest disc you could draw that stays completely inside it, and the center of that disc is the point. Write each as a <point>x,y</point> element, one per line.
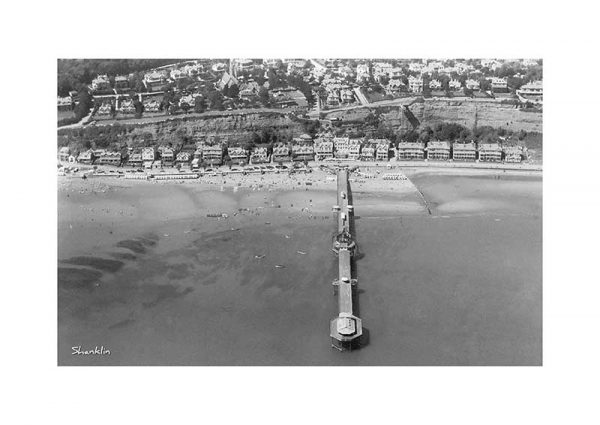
<point>300,211</point>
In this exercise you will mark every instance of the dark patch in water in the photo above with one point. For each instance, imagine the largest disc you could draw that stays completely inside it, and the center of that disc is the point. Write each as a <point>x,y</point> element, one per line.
<point>70,278</point>
<point>123,256</point>
<point>133,245</point>
<point>96,263</point>
<point>166,292</point>
<point>178,271</point>
<point>121,324</point>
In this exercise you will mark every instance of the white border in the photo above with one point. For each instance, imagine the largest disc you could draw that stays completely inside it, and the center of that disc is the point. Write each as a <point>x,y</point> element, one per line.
<point>561,391</point>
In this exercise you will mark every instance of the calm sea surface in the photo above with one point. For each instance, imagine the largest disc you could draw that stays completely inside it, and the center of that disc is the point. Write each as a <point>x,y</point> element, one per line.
<point>462,286</point>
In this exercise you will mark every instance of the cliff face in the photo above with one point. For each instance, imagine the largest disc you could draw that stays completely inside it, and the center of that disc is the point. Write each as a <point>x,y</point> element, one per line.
<point>466,113</point>
<point>234,128</point>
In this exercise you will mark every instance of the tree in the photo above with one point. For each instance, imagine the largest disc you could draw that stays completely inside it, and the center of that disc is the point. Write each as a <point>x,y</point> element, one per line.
<point>263,95</point>
<point>234,91</point>
<point>200,104</point>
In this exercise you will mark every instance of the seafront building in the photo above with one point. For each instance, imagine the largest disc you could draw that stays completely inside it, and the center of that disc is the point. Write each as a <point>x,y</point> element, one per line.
<point>135,159</point>
<point>183,158</point>
<point>341,145</point>
<point>354,146</point>
<point>304,152</point>
<point>464,151</point>
<point>167,155</point>
<point>513,154</point>
<point>367,153</point>
<point>438,150</point>
<point>238,155</point>
<point>490,152</point>
<point>323,148</point>
<point>281,152</point>
<point>213,154</point>
<point>86,157</point>
<point>109,158</point>
<point>382,149</point>
<point>260,155</point>
<point>408,151</point>
<point>64,153</point>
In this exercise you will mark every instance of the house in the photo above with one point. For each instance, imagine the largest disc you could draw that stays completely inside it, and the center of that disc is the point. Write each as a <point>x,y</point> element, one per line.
<point>513,153</point>
<point>105,109</point>
<point>367,153</point>
<point>121,82</point>
<point>362,72</point>
<point>323,148</point>
<point>415,84</point>
<point>167,155</point>
<point>155,81</point>
<point>438,150</point>
<point>472,84</point>
<point>281,152</point>
<point>213,154</point>
<point>64,103</point>
<point>289,97</point>
<point>101,82</point>
<point>382,149</point>
<point>354,146</point>
<point>259,155</point>
<point>238,155</point>
<point>64,153</point>
<point>499,84</point>
<point>86,157</point>
<point>303,139</point>
<point>227,80</point>
<point>531,92</point>
<point>178,74</point>
<point>490,152</point>
<point>126,107</point>
<point>454,85</point>
<point>249,90</point>
<point>410,151</point>
<point>415,67</point>
<point>149,153</point>
<point>135,159</point>
<point>435,85</point>
<point>188,100</point>
<point>183,158</point>
<point>151,105</point>
<point>109,158</point>
<point>341,145</point>
<point>464,151</point>
<point>303,152</point>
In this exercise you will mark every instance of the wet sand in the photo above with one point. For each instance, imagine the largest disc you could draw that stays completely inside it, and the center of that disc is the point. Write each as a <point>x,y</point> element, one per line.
<point>143,272</point>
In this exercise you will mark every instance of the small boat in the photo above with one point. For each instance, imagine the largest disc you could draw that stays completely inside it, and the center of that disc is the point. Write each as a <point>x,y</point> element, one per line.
<point>258,257</point>
<point>279,266</point>
<point>287,236</point>
<point>301,252</point>
<point>267,222</point>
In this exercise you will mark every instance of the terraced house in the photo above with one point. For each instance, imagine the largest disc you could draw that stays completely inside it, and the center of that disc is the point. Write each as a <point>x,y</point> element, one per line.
<point>490,152</point>
<point>281,152</point>
<point>382,149</point>
<point>109,158</point>
<point>464,151</point>
<point>408,151</point>
<point>167,155</point>
<point>354,146</point>
<point>438,150</point>
<point>238,155</point>
<point>513,153</point>
<point>323,148</point>
<point>86,157</point>
<point>213,154</point>
<point>367,153</point>
<point>342,145</point>
<point>260,155</point>
<point>183,158</point>
<point>303,152</point>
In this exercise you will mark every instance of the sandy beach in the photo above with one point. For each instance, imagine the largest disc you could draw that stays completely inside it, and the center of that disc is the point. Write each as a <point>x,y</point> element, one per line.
<point>143,271</point>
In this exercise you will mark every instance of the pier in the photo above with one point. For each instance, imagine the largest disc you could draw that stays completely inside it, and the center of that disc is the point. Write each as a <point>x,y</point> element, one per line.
<point>346,329</point>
